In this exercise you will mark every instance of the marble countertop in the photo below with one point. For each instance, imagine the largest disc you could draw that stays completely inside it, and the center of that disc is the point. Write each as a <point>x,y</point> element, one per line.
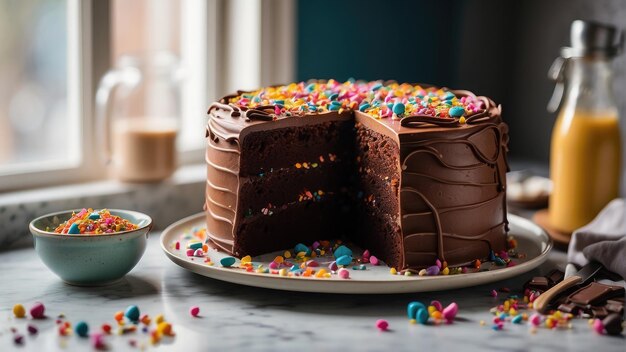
<point>236,317</point>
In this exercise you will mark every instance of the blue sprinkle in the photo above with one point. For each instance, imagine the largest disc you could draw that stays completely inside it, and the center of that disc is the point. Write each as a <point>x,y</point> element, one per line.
<point>517,319</point>
<point>492,257</point>
<point>195,245</point>
<point>81,329</point>
<point>74,230</point>
<point>227,262</point>
<point>310,87</point>
<point>412,308</point>
<point>342,251</point>
<point>132,313</point>
<point>377,86</point>
<point>256,99</point>
<point>456,111</point>
<point>333,96</point>
<point>302,248</point>
<point>398,108</point>
<point>313,108</point>
<point>448,96</point>
<point>422,315</point>
<point>344,260</point>
<point>94,216</point>
<point>364,107</point>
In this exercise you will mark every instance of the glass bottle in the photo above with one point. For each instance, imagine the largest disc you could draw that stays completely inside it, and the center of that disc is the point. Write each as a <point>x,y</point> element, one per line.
<point>585,153</point>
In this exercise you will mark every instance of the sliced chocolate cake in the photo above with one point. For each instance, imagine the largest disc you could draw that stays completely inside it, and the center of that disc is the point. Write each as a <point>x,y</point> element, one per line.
<point>414,173</point>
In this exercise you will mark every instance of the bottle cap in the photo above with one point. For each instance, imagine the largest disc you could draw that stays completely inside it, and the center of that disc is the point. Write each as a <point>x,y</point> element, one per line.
<point>593,39</point>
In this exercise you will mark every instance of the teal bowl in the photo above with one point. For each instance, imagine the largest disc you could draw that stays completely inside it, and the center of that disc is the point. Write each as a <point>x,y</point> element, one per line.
<point>90,260</point>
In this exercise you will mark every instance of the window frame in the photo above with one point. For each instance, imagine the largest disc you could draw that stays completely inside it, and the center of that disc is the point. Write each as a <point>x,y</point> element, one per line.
<point>89,31</point>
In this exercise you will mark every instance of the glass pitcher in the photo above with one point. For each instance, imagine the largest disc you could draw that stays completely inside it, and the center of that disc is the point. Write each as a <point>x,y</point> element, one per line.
<point>138,112</point>
<point>585,155</point>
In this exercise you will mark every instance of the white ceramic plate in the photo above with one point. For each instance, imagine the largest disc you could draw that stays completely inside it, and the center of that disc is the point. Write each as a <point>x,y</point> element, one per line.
<point>532,241</point>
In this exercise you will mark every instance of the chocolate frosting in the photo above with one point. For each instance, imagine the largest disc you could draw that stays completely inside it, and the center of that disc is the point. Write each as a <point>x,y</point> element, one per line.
<point>452,193</point>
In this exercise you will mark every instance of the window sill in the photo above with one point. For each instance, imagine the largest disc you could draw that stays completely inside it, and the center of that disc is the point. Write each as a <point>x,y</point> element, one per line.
<point>181,195</point>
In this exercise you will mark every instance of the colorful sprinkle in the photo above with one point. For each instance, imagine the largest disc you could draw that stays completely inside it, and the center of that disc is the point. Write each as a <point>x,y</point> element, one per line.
<point>81,329</point>
<point>19,311</point>
<point>132,313</point>
<point>194,311</point>
<point>227,262</point>
<point>37,311</point>
<point>88,221</point>
<point>344,273</point>
<point>382,325</point>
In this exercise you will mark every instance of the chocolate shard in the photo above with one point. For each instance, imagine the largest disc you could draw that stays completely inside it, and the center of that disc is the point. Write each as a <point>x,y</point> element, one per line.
<point>538,283</point>
<point>596,294</point>
<point>555,276</point>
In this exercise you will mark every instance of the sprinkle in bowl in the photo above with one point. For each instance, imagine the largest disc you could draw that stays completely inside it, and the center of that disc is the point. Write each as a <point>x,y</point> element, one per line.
<point>90,259</point>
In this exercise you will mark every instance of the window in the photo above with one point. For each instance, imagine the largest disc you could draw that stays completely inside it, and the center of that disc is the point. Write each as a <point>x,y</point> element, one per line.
<point>34,118</point>
<point>54,53</point>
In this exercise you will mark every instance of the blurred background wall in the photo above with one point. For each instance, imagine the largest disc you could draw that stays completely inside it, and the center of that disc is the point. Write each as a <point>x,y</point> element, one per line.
<point>501,49</point>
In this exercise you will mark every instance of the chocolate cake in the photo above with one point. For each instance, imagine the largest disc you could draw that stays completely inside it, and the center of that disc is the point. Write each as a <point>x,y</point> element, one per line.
<point>412,172</point>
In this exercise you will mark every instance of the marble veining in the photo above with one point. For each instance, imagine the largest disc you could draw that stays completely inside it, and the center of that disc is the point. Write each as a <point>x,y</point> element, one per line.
<point>236,317</point>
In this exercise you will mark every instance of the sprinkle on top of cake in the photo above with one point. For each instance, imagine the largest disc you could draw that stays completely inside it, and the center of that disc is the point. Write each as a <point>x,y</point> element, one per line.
<point>377,99</point>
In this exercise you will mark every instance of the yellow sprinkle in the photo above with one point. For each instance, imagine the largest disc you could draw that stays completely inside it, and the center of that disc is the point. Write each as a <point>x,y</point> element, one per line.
<point>431,310</point>
<point>159,319</point>
<point>19,311</point>
<point>298,165</point>
<point>322,252</point>
<point>408,273</point>
<point>246,259</point>
<point>422,272</point>
<point>462,119</point>
<point>287,254</point>
<point>393,271</point>
<point>482,323</point>
<point>413,321</point>
<point>321,273</point>
<point>283,272</point>
<point>445,271</point>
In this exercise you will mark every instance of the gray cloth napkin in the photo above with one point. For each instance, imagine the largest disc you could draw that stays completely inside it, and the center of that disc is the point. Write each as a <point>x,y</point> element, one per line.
<point>602,240</point>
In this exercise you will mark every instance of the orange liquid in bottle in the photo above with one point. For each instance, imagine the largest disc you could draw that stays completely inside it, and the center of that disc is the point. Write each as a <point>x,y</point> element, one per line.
<point>584,165</point>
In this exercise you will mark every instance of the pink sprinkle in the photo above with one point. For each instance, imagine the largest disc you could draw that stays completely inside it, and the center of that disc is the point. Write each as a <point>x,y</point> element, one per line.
<point>190,252</point>
<point>198,253</point>
<point>437,305</point>
<point>276,110</point>
<point>374,260</point>
<point>344,273</point>
<point>438,263</point>
<point>177,246</point>
<point>535,319</point>
<point>382,324</point>
<point>312,263</point>
<point>449,312</point>
<point>273,265</point>
<point>333,266</point>
<point>194,311</point>
<point>494,293</point>
<point>532,297</point>
<point>598,326</point>
<point>38,311</point>
<point>366,253</point>
<point>97,341</point>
